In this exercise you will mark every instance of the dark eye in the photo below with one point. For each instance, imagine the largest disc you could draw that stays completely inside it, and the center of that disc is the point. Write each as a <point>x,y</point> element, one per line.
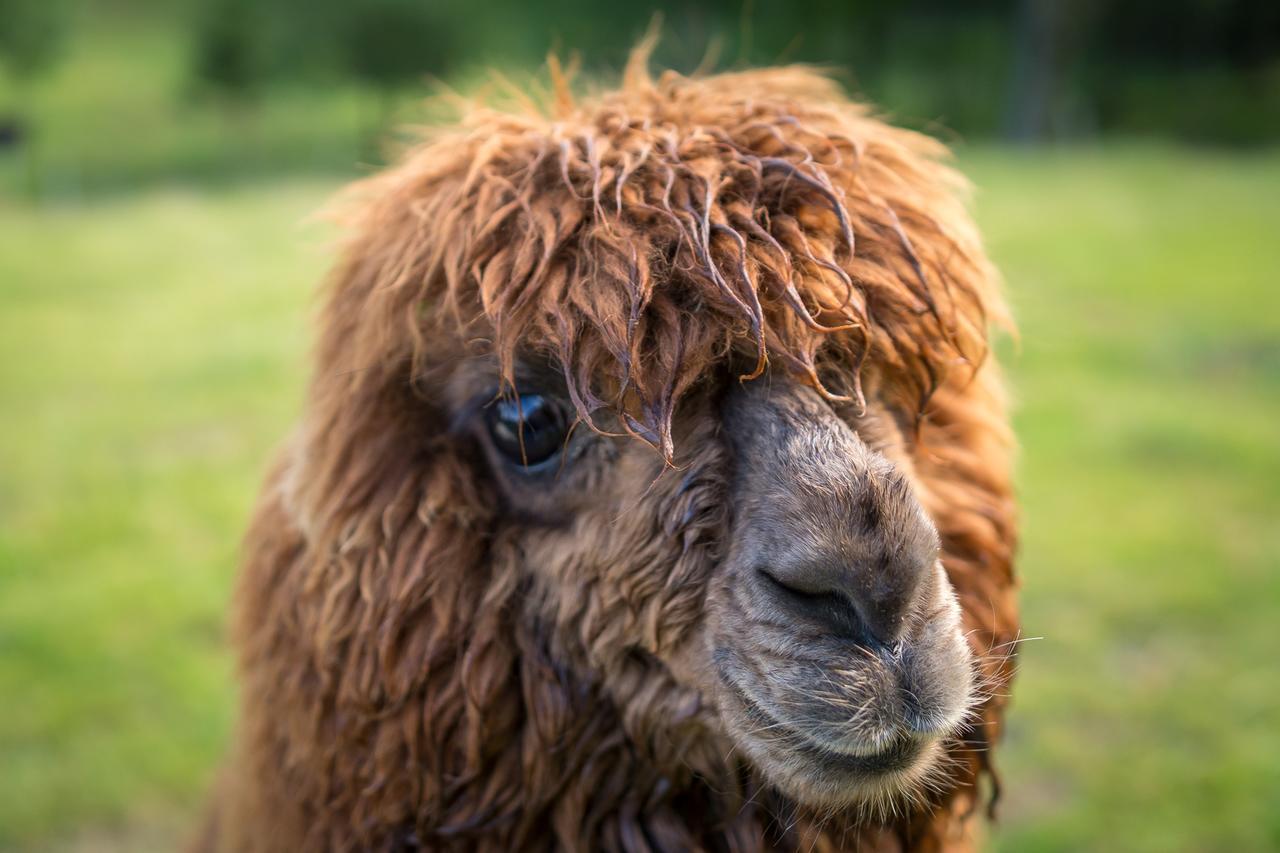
<point>529,430</point>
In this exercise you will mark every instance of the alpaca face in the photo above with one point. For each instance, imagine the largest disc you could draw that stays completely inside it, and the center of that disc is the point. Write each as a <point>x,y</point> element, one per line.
<point>775,593</point>
<point>611,518</point>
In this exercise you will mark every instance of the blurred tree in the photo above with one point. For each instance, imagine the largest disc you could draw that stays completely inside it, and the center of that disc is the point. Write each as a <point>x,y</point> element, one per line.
<point>1207,70</point>
<point>393,43</point>
<point>31,33</point>
<point>241,46</point>
<point>230,51</point>
<point>1048,38</point>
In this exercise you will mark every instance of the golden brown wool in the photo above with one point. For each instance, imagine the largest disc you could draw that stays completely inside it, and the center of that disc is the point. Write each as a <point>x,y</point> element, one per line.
<point>406,680</point>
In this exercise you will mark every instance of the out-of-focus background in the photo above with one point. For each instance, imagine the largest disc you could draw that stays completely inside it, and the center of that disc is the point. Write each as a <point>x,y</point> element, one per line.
<point>158,162</point>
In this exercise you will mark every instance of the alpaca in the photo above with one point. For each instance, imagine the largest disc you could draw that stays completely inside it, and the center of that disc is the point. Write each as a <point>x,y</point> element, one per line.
<point>652,493</point>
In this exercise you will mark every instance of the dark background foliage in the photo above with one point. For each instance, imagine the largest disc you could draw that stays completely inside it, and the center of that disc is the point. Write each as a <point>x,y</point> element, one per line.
<point>1200,71</point>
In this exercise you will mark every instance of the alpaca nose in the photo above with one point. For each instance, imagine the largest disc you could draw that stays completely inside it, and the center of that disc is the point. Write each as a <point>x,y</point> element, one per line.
<point>867,601</point>
<point>828,533</point>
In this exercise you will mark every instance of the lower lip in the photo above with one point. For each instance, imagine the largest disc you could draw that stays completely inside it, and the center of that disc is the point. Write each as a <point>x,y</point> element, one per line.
<point>898,755</point>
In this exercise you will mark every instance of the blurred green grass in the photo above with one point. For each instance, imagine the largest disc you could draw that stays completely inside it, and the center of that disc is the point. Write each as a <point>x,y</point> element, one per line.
<point>152,352</point>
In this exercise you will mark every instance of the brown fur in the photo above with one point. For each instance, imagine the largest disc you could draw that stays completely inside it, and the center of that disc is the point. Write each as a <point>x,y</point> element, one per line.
<point>430,656</point>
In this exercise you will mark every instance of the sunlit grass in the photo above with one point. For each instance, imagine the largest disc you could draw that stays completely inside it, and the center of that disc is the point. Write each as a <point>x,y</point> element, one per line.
<point>1148,388</point>
<point>152,353</point>
<point>150,356</point>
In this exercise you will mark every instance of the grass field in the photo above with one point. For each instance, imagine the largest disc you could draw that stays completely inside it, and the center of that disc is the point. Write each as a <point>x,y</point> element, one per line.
<point>152,353</point>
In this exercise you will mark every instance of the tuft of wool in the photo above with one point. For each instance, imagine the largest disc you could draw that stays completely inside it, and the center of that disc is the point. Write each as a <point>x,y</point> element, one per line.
<point>639,236</point>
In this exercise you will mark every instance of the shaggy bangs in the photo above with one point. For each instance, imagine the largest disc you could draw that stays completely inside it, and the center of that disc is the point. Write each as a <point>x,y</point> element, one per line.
<point>640,238</point>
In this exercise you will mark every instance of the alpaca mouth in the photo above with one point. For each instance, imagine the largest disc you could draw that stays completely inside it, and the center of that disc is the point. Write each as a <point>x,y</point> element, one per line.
<point>812,769</point>
<point>894,754</point>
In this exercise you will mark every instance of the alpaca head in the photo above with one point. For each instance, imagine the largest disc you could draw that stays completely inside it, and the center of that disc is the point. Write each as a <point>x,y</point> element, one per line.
<point>645,381</point>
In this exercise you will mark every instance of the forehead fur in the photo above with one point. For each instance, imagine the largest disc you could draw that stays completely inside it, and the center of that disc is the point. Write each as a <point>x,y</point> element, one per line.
<point>639,237</point>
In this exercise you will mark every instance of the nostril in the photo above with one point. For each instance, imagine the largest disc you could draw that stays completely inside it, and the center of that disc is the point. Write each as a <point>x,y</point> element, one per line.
<point>830,608</point>
<point>782,586</point>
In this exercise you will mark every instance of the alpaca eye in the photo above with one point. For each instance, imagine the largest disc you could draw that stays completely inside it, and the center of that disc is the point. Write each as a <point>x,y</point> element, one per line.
<point>528,431</point>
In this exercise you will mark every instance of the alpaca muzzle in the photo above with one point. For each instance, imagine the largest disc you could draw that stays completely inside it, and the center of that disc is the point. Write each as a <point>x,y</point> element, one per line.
<point>836,634</point>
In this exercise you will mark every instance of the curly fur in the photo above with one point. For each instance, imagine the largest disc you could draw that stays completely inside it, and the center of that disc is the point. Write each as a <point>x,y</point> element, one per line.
<point>408,680</point>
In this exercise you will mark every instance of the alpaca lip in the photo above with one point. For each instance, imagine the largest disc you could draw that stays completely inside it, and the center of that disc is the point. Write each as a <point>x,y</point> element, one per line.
<point>896,755</point>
